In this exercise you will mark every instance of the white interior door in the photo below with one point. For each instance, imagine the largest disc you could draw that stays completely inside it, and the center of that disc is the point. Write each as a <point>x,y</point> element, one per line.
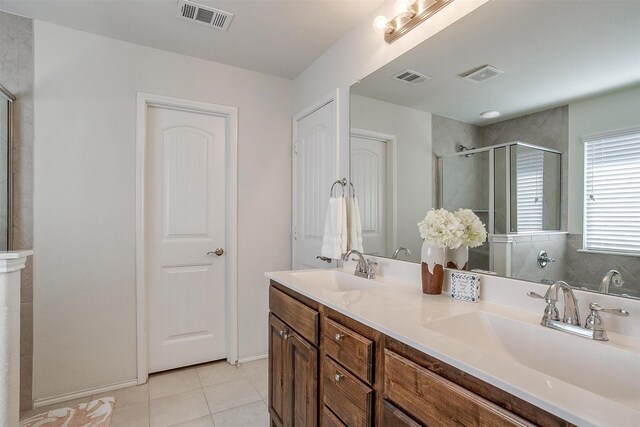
<point>186,223</point>
<point>369,178</point>
<point>315,171</point>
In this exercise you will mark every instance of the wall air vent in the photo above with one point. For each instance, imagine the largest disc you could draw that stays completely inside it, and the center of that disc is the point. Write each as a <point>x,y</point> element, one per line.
<point>411,77</point>
<point>482,74</point>
<point>205,15</point>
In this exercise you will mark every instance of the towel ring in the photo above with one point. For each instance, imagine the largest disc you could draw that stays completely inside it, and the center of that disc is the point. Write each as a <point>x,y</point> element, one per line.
<point>342,182</point>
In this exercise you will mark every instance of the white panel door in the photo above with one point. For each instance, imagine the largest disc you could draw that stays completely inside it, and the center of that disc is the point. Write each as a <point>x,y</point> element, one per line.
<point>185,223</point>
<point>369,178</point>
<point>315,151</point>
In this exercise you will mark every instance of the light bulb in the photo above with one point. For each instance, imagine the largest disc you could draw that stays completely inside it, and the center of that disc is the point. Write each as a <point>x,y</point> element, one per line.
<point>403,8</point>
<point>380,24</point>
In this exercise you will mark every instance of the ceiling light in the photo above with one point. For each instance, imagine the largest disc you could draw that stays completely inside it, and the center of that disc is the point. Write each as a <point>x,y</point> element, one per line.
<point>403,8</point>
<point>490,114</point>
<point>409,14</point>
<point>381,25</point>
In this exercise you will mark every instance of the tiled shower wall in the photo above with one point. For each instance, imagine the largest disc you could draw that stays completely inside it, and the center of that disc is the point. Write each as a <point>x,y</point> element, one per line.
<point>16,74</point>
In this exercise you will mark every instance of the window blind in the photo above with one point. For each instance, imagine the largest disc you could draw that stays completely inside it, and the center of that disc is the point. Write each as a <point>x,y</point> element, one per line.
<point>612,192</point>
<point>529,190</point>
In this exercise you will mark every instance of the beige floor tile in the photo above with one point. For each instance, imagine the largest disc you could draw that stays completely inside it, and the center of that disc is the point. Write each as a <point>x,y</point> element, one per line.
<point>252,415</point>
<point>43,409</point>
<point>218,373</point>
<point>173,382</point>
<point>257,367</point>
<point>178,408</point>
<point>127,396</point>
<point>231,394</point>
<point>136,415</point>
<point>200,422</point>
<point>261,383</point>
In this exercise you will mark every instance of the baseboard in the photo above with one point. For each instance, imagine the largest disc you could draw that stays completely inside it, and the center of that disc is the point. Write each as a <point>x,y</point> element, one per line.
<point>252,358</point>
<point>82,393</point>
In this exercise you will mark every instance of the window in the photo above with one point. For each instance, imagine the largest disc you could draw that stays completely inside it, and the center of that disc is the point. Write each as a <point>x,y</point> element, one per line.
<point>612,192</point>
<point>529,189</point>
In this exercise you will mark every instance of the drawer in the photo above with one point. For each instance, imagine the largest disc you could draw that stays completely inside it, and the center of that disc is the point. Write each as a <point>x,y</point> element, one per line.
<point>345,395</point>
<point>436,401</point>
<point>329,419</point>
<point>392,416</point>
<point>350,349</point>
<point>301,318</point>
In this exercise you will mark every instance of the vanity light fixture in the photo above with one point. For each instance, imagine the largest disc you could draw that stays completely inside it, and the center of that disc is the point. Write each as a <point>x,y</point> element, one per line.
<point>490,114</point>
<point>409,14</point>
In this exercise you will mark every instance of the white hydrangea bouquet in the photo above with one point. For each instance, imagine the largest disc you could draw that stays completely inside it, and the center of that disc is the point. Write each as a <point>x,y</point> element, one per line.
<point>441,228</point>
<point>474,233</point>
<point>447,239</point>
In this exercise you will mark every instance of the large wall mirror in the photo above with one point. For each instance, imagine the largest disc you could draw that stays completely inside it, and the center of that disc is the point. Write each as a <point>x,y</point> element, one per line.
<point>552,167</point>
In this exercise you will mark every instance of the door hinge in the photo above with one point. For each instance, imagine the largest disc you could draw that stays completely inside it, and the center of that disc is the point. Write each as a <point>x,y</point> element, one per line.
<point>295,148</point>
<point>295,234</point>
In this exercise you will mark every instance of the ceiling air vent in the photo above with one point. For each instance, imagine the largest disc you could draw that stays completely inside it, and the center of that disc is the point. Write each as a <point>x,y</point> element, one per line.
<point>482,74</point>
<point>212,18</point>
<point>411,77</point>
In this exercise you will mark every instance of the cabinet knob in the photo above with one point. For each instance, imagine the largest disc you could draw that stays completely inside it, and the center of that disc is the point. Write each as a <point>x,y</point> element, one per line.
<point>338,376</point>
<point>339,337</point>
<point>285,334</point>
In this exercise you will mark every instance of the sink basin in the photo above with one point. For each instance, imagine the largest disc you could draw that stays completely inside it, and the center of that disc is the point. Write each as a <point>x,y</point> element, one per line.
<point>598,367</point>
<point>334,280</point>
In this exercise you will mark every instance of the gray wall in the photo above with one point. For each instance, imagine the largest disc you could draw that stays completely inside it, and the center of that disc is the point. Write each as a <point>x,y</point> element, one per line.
<point>16,74</point>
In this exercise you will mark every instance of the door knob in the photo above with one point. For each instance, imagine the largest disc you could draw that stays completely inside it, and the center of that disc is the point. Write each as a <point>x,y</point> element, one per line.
<point>218,251</point>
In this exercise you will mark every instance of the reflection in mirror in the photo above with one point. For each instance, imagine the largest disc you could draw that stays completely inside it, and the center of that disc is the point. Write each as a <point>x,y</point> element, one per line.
<point>561,85</point>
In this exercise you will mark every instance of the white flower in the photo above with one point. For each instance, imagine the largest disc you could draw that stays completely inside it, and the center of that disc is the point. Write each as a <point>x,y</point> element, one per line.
<point>441,228</point>
<point>474,232</point>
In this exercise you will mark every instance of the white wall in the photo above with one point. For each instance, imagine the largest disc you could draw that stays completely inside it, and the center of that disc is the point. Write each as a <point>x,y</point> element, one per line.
<point>412,129</point>
<point>359,53</point>
<point>613,111</point>
<point>85,115</point>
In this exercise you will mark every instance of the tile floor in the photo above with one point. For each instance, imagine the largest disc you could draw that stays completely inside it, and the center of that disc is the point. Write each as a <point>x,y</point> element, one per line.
<point>214,394</point>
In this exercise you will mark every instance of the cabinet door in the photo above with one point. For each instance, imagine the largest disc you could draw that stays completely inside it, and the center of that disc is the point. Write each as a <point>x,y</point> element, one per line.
<point>302,384</point>
<point>278,333</point>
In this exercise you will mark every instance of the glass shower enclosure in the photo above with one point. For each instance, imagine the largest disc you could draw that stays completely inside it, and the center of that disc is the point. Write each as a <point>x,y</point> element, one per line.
<point>514,188</point>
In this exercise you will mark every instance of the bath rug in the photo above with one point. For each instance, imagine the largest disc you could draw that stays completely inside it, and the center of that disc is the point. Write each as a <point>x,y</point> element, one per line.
<point>96,413</point>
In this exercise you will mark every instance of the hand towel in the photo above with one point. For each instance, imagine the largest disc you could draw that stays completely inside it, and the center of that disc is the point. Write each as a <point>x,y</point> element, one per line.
<point>334,239</point>
<point>354,225</point>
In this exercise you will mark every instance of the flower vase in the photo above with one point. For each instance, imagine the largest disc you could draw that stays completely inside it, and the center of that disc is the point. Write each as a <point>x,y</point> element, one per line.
<point>458,258</point>
<point>433,259</point>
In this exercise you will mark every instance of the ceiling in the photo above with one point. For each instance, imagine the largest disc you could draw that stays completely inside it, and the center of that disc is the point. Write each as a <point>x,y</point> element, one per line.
<point>551,52</point>
<point>276,37</point>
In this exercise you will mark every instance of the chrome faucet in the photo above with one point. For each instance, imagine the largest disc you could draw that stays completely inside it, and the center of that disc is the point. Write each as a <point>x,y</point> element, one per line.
<point>406,251</point>
<point>593,327</point>
<point>613,277</point>
<point>571,314</point>
<point>365,268</point>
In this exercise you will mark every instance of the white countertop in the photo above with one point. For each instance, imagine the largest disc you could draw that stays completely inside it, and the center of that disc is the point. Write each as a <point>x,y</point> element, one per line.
<point>400,309</point>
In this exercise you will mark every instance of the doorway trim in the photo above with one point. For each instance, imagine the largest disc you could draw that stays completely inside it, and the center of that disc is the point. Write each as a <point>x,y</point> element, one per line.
<point>330,97</point>
<point>230,114</point>
<point>391,142</point>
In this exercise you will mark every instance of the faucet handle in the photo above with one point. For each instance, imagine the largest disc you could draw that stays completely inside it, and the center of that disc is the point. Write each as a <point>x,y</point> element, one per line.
<point>595,308</point>
<point>535,295</point>
<point>595,322</point>
<point>550,312</point>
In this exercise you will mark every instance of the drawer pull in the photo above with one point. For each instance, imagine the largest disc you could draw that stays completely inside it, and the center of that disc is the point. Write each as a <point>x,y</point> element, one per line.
<point>338,376</point>
<point>339,337</point>
<point>285,334</point>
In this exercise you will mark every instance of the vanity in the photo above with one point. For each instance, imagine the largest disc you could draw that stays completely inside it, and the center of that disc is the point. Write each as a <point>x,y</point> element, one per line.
<point>350,351</point>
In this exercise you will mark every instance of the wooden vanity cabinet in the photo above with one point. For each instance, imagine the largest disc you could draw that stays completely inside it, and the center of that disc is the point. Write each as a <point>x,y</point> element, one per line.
<point>293,362</point>
<point>329,370</point>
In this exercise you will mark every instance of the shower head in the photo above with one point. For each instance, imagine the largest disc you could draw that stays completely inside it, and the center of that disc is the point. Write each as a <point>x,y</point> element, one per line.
<point>462,148</point>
